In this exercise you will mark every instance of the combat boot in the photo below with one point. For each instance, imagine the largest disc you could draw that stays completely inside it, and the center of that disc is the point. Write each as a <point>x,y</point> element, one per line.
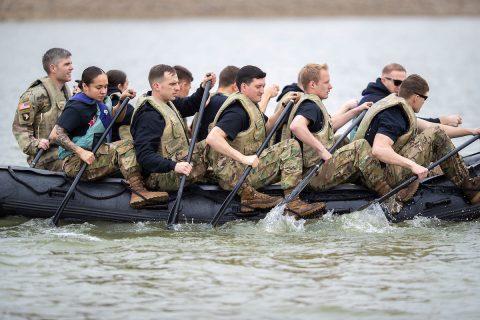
<point>404,195</point>
<point>141,196</point>
<point>252,199</point>
<point>303,210</point>
<point>471,189</point>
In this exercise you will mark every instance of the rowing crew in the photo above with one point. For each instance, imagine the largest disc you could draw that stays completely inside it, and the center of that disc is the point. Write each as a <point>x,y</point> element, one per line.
<point>391,143</point>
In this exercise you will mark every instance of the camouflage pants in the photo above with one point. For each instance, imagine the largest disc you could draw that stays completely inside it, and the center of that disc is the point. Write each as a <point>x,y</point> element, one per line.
<point>48,161</point>
<point>110,158</point>
<point>427,147</point>
<point>280,162</point>
<point>348,163</point>
<point>170,181</point>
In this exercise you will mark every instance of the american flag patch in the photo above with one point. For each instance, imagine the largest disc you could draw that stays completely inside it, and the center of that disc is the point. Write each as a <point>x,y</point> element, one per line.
<point>23,106</point>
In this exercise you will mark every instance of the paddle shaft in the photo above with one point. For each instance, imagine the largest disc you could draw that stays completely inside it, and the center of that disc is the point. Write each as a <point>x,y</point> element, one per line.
<point>56,216</point>
<point>173,216</point>
<point>410,180</point>
<point>313,171</point>
<point>245,174</point>
<point>38,155</point>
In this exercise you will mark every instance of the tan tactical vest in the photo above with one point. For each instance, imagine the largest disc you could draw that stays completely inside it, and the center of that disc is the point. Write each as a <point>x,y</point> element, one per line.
<point>174,142</point>
<point>46,117</point>
<point>388,102</point>
<point>249,141</point>
<point>325,135</point>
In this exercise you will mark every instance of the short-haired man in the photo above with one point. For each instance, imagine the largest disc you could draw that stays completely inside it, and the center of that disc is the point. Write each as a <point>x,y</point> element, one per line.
<point>310,123</point>
<point>226,87</point>
<point>40,106</point>
<point>392,76</point>
<point>185,79</point>
<point>159,134</point>
<point>239,130</point>
<point>407,144</point>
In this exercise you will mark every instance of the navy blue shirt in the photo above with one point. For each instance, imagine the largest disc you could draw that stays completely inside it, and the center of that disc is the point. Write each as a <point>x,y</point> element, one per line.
<point>310,110</point>
<point>234,120</point>
<point>147,129</point>
<point>77,117</point>
<point>216,101</point>
<point>391,122</point>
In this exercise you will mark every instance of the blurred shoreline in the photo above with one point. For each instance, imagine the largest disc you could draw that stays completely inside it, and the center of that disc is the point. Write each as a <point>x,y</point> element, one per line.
<point>158,9</point>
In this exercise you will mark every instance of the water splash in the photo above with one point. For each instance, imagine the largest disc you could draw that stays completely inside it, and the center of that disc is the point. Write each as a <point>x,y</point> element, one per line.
<point>370,220</point>
<point>278,222</point>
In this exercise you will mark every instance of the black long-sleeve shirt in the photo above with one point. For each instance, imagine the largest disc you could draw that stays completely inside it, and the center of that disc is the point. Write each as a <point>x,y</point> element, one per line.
<point>147,129</point>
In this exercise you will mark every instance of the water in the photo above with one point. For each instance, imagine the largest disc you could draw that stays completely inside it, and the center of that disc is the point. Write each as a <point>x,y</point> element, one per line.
<point>355,266</point>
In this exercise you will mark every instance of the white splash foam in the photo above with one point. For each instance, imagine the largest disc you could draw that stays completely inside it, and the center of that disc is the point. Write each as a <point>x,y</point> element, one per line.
<point>370,220</point>
<point>277,222</point>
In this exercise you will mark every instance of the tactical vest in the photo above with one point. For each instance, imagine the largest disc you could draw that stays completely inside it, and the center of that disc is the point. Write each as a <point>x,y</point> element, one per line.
<point>388,102</point>
<point>174,142</point>
<point>249,141</point>
<point>325,135</point>
<point>86,141</point>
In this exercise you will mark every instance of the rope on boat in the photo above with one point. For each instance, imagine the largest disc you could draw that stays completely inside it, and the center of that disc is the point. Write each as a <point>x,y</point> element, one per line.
<point>58,188</point>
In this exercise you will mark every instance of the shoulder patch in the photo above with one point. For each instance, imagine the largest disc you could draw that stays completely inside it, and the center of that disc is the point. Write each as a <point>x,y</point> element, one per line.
<point>25,116</point>
<point>23,106</point>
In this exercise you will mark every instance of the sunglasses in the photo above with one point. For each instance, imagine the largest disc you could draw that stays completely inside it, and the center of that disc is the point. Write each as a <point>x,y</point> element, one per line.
<point>396,82</point>
<point>421,95</point>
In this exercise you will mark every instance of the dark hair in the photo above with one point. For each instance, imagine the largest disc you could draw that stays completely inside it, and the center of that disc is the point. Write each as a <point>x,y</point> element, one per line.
<point>116,77</point>
<point>413,84</point>
<point>227,76</point>
<point>247,73</point>
<point>52,56</point>
<point>157,72</point>
<point>183,73</point>
<point>89,74</point>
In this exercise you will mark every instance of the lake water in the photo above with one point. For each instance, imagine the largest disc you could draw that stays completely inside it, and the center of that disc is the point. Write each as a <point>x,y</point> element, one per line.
<point>356,266</point>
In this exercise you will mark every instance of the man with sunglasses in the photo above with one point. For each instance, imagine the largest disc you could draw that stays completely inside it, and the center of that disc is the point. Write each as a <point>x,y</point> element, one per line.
<point>406,145</point>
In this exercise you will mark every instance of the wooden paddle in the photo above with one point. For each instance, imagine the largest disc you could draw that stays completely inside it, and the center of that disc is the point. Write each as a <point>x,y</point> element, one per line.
<point>56,216</point>
<point>410,180</point>
<point>173,216</point>
<point>38,155</point>
<point>313,171</point>
<point>248,169</point>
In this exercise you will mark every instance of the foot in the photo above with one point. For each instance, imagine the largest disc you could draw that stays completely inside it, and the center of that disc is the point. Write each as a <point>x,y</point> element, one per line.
<point>147,198</point>
<point>407,193</point>
<point>304,210</point>
<point>471,189</point>
<point>252,199</point>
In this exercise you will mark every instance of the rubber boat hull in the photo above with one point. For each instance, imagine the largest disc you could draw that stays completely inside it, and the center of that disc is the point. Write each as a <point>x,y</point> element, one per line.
<point>38,193</point>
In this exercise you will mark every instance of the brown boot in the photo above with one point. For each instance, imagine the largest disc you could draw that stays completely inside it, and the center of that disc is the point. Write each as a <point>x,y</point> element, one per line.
<point>404,195</point>
<point>471,189</point>
<point>252,199</point>
<point>141,196</point>
<point>303,210</point>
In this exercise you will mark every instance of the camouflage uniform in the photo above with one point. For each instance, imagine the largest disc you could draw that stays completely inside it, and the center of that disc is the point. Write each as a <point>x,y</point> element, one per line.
<point>280,162</point>
<point>38,110</point>
<point>173,145</point>
<point>424,148</point>
<point>349,163</point>
<point>109,158</point>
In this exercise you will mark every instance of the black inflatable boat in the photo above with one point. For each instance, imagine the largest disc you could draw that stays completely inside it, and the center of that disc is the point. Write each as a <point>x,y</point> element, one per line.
<point>38,193</point>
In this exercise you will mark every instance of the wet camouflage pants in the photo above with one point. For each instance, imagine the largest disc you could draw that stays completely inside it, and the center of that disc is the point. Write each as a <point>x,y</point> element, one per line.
<point>110,158</point>
<point>427,147</point>
<point>280,162</point>
<point>170,181</point>
<point>348,163</point>
<point>48,161</point>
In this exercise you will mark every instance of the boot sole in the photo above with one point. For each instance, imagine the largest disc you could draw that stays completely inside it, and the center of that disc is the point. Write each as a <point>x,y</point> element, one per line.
<point>308,214</point>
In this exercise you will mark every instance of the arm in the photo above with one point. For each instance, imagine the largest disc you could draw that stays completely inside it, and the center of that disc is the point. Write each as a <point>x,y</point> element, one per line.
<point>295,96</point>
<point>217,139</point>
<point>60,137</point>
<point>345,107</point>
<point>452,132</point>
<point>270,92</point>
<point>188,106</point>
<point>339,120</point>
<point>383,151</point>
<point>22,126</point>
<point>299,127</point>
<point>131,93</point>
